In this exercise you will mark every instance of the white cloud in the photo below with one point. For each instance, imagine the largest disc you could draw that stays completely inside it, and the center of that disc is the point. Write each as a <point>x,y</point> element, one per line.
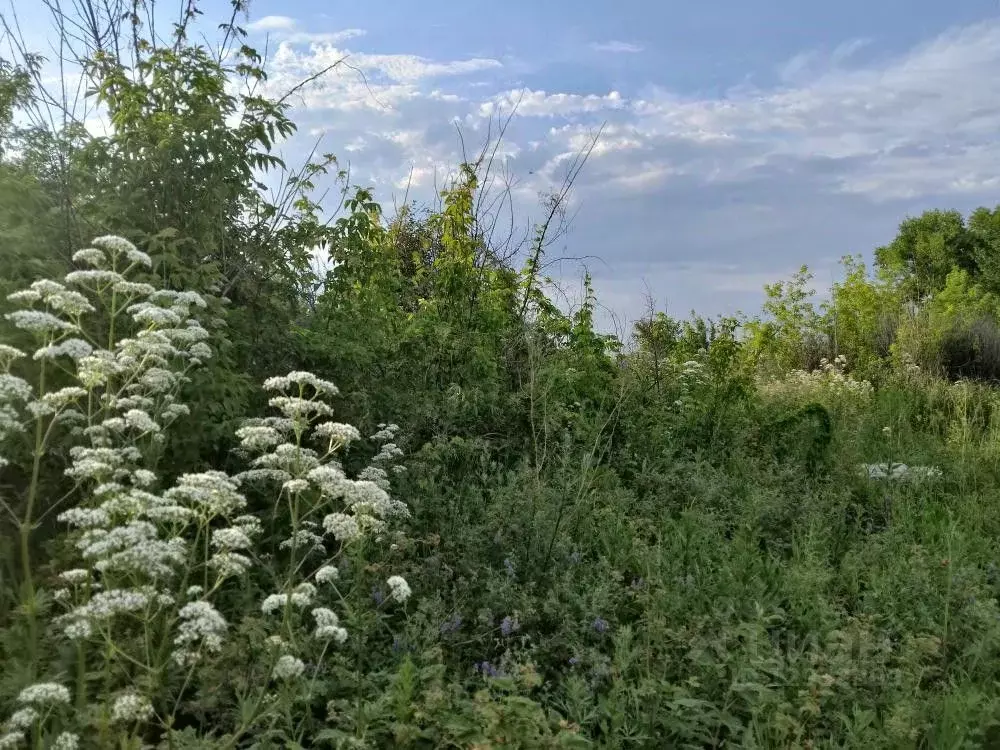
<point>272,23</point>
<point>843,132</point>
<point>920,123</point>
<point>616,47</point>
<point>360,81</point>
<point>542,104</point>
<point>358,144</point>
<point>321,37</point>
<point>288,29</point>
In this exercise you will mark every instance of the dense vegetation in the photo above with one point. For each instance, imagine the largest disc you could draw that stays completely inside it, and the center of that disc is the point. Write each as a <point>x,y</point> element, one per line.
<point>410,502</point>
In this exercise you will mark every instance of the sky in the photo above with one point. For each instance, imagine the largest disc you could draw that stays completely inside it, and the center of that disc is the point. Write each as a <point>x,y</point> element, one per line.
<point>741,138</point>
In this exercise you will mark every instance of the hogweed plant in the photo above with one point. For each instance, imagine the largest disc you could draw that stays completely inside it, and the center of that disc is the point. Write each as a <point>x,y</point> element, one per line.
<point>147,606</point>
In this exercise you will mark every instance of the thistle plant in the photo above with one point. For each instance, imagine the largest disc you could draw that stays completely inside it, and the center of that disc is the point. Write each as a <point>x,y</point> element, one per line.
<point>142,606</point>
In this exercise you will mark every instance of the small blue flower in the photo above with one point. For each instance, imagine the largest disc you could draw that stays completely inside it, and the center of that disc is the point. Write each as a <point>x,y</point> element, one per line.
<point>398,645</point>
<point>488,670</point>
<point>600,625</point>
<point>377,596</point>
<point>509,625</point>
<point>452,625</point>
<point>573,661</point>
<point>509,566</point>
<point>575,558</point>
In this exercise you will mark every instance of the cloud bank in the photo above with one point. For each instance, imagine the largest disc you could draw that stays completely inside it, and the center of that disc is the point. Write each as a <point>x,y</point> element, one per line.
<point>702,196</point>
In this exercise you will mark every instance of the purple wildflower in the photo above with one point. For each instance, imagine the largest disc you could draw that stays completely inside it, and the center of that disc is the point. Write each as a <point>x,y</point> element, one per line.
<point>488,670</point>
<point>377,596</point>
<point>452,625</point>
<point>509,566</point>
<point>600,625</point>
<point>509,625</point>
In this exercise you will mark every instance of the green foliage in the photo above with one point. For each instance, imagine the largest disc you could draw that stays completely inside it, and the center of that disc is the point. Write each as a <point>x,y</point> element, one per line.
<point>703,539</point>
<point>956,331</point>
<point>926,250</point>
<point>790,336</point>
<point>864,314</point>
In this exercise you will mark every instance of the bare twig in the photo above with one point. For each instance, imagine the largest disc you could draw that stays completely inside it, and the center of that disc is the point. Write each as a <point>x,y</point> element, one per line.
<point>556,204</point>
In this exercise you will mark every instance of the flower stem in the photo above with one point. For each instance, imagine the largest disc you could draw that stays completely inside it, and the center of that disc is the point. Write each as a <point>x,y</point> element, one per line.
<point>25,531</point>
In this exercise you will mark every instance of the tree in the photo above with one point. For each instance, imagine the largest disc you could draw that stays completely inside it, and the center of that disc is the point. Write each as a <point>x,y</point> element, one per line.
<point>861,316</point>
<point>926,249</point>
<point>985,226</point>
<point>788,336</point>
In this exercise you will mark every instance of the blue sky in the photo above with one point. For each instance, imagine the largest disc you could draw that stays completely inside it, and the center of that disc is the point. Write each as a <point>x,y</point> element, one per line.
<point>742,138</point>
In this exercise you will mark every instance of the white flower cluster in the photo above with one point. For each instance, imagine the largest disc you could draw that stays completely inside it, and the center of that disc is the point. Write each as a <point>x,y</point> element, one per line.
<point>389,452</point>
<point>326,574</point>
<point>66,741</point>
<point>288,667</point>
<point>690,375</point>
<point>210,493</point>
<point>202,627</point>
<point>73,348</point>
<point>377,475</point>
<point>829,382</point>
<point>131,708</point>
<point>230,539</point>
<point>301,597</point>
<point>342,527</point>
<point>258,437</point>
<point>56,297</point>
<point>365,503</point>
<point>22,719</point>
<point>300,409</point>
<point>134,377</point>
<point>33,701</point>
<point>40,322</point>
<point>304,540</point>
<point>104,605</point>
<point>385,432</point>
<point>900,472</point>
<point>337,433</point>
<point>44,694</point>
<point>299,381</point>
<point>128,537</point>
<point>353,507</point>
<point>328,625</point>
<point>399,589</point>
<point>8,354</point>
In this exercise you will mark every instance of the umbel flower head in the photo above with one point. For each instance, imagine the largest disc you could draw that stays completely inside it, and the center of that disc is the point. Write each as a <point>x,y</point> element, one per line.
<point>201,626</point>
<point>66,741</point>
<point>130,708</point>
<point>399,589</point>
<point>44,694</point>
<point>288,667</point>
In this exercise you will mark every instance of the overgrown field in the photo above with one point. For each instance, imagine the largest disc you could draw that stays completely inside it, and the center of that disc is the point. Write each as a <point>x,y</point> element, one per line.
<point>411,502</point>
